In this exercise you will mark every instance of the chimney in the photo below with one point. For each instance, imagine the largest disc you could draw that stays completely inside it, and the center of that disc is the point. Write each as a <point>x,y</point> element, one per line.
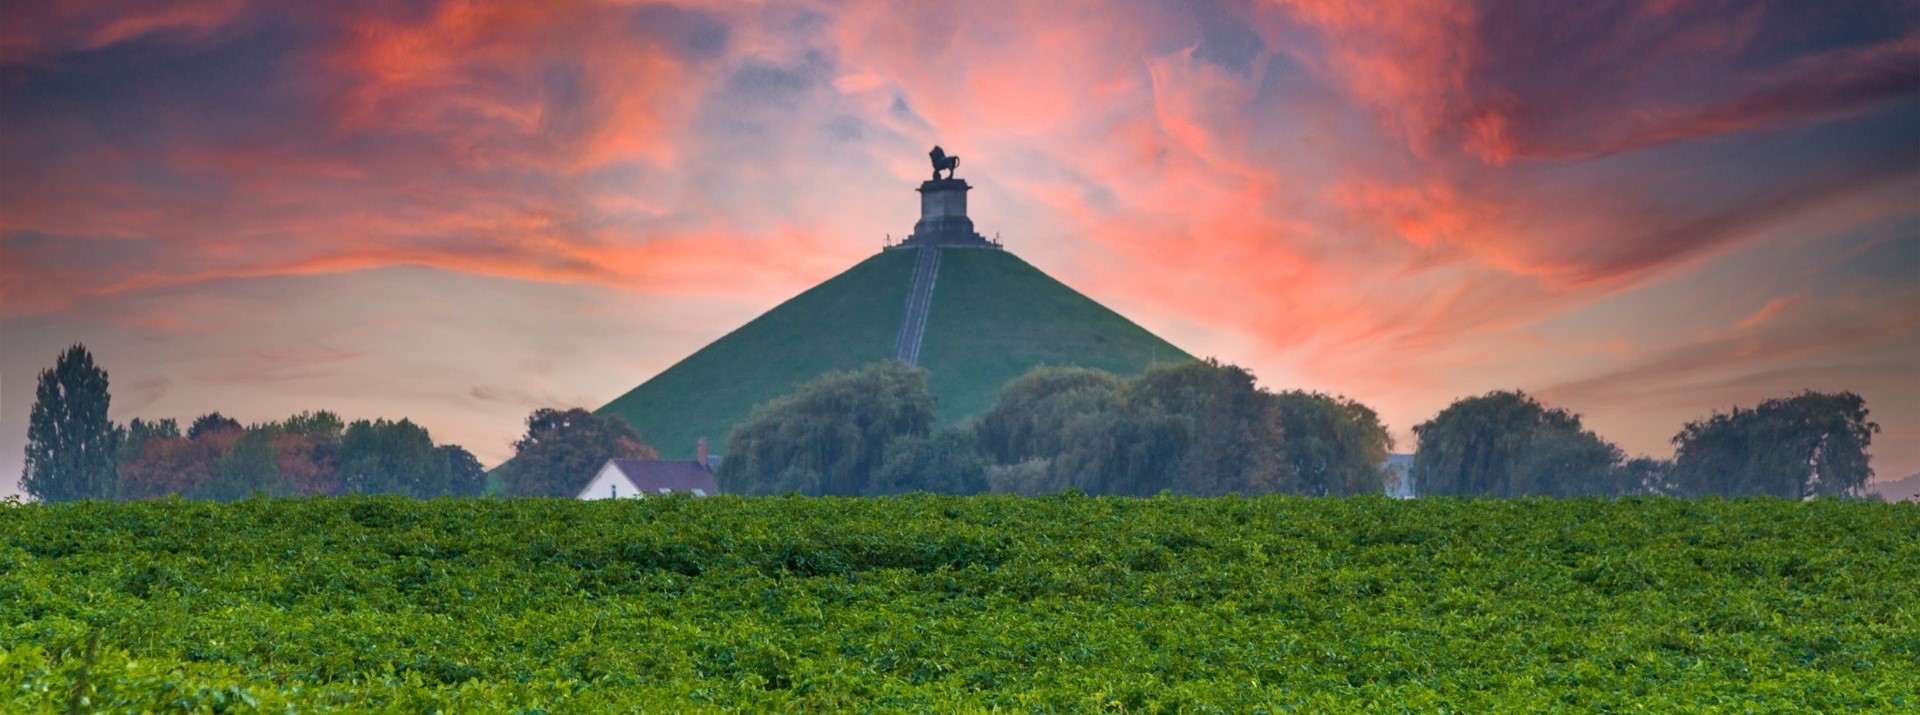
<point>700,453</point>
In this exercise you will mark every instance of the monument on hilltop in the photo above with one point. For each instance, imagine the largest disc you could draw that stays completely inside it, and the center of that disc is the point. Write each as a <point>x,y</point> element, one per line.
<point>943,210</point>
<point>975,319</point>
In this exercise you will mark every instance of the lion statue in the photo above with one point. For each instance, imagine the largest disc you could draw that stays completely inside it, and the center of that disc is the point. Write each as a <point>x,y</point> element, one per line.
<point>942,162</point>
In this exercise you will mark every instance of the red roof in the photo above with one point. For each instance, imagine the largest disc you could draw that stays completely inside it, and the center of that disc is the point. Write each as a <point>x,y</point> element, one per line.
<point>652,475</point>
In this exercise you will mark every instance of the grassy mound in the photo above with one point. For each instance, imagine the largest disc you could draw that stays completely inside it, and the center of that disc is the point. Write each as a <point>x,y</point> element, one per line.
<point>993,318</point>
<point>947,604</point>
<point>848,321</point>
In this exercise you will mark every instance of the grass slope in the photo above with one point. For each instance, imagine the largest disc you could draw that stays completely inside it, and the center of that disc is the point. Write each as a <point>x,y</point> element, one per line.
<point>994,317</point>
<point>961,604</point>
<point>848,321</point>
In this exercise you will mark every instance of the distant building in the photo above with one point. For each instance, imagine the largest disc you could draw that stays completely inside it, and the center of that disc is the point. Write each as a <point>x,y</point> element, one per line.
<point>1399,470</point>
<point>640,478</point>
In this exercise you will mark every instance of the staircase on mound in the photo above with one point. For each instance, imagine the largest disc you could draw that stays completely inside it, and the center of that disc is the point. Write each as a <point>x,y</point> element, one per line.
<point>943,224</point>
<point>913,321</point>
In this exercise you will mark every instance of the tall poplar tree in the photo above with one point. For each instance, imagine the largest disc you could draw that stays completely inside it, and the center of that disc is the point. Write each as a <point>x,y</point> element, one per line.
<point>72,448</point>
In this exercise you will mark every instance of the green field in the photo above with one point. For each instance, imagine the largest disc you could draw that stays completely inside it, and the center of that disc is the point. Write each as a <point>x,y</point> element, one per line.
<point>933,604</point>
<point>993,318</point>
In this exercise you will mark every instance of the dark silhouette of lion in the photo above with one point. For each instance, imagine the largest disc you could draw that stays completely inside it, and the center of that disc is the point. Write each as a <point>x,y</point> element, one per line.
<point>942,162</point>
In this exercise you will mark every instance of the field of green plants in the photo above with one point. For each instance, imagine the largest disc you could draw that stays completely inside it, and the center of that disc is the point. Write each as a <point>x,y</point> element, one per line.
<point>940,604</point>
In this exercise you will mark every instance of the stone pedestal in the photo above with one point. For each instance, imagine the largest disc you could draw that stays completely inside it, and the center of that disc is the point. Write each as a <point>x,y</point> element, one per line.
<point>943,217</point>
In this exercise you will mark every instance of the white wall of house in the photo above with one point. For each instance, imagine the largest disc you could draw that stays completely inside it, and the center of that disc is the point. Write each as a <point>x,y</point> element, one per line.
<point>1399,472</point>
<point>609,483</point>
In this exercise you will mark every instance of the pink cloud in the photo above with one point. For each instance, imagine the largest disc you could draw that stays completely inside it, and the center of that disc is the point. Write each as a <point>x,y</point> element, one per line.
<point>35,32</point>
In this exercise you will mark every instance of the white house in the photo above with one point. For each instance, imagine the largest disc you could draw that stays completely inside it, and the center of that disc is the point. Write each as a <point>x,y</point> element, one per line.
<point>1399,471</point>
<point>639,478</point>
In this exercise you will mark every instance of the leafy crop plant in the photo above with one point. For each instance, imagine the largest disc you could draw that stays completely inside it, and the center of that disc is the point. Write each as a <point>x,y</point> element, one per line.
<point>956,604</point>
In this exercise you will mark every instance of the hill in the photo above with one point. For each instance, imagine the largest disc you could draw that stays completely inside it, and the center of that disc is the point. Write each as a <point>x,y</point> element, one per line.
<point>995,317</point>
<point>841,324</point>
<point>992,317</point>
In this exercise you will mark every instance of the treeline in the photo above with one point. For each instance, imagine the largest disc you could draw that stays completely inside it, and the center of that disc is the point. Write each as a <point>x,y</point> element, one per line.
<point>1200,428</point>
<point>1205,428</point>
<point>1506,444</point>
<point>309,454</point>
<point>75,452</point>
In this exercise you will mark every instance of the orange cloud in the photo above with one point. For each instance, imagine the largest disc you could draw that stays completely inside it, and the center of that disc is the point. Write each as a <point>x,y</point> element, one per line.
<point>1408,62</point>
<point>562,86</point>
<point>191,16</point>
<point>36,32</point>
<point>1771,310</point>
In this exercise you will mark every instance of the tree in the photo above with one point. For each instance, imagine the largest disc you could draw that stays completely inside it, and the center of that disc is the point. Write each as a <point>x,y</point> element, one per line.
<point>830,435</point>
<point>310,453</point>
<point>946,462</point>
<point>1130,451</point>
<point>298,456</point>
<point>1054,428</point>
<point>1809,445</point>
<point>247,466</point>
<point>307,465</point>
<point>209,422</point>
<point>1037,411</point>
<point>178,465</point>
<point>465,476</point>
<point>1334,445</point>
<point>163,466</point>
<point>72,448</point>
<point>1198,428</point>
<point>1191,427</point>
<point>319,423</point>
<point>381,457</point>
<point>1506,444</point>
<point>140,431</point>
<point>563,448</point>
<point>1571,463</point>
<point>307,452</point>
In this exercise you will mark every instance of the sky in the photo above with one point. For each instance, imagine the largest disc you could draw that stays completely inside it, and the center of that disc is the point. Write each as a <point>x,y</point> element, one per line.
<point>458,212</point>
